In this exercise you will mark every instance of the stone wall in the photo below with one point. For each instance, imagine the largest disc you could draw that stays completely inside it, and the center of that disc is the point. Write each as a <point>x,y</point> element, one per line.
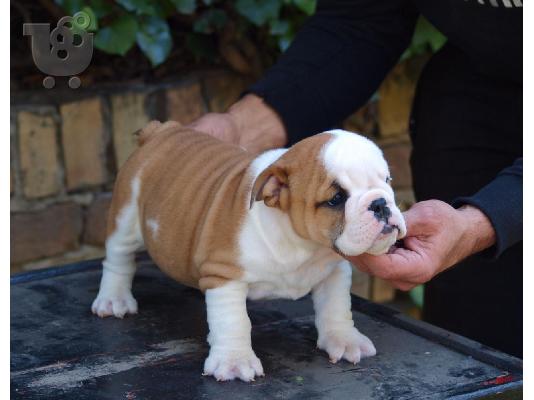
<point>66,147</point>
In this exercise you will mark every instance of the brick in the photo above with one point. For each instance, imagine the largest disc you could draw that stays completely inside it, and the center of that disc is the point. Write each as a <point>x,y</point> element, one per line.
<point>395,102</point>
<point>39,164</point>
<point>363,121</point>
<point>45,233</point>
<point>81,254</point>
<point>84,143</point>
<point>398,158</point>
<point>381,291</point>
<point>185,103</point>
<point>404,198</point>
<point>96,220</point>
<point>128,116</point>
<point>223,89</point>
<point>13,152</point>
<point>360,283</point>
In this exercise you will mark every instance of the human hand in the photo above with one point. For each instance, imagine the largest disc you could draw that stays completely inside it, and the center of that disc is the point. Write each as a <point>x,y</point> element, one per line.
<point>438,237</point>
<point>219,125</point>
<point>249,123</point>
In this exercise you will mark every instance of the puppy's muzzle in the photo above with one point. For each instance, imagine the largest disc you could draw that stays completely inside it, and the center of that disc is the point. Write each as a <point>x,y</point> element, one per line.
<point>382,213</point>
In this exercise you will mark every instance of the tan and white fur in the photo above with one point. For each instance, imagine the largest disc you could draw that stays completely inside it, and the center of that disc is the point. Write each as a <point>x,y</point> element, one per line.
<point>238,226</point>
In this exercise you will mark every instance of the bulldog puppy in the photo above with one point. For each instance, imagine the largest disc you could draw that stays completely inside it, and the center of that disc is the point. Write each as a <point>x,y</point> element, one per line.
<point>236,226</point>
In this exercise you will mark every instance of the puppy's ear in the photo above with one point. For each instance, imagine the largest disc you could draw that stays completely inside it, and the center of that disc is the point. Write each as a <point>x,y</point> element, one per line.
<point>271,186</point>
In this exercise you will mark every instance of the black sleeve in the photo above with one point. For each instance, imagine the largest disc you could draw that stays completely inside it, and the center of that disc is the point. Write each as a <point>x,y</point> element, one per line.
<point>336,62</point>
<point>502,202</point>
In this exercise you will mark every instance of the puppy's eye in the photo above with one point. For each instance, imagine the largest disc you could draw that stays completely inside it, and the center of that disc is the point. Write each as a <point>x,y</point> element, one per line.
<point>338,199</point>
<point>389,179</point>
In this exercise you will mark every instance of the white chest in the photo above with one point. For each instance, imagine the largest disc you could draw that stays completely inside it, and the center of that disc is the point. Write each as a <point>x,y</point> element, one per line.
<point>269,279</point>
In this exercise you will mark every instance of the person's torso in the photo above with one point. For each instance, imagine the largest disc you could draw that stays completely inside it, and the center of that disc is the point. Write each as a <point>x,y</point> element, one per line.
<point>489,32</point>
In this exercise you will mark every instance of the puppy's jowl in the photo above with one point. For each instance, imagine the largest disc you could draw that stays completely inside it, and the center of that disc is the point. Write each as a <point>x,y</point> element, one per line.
<point>213,216</point>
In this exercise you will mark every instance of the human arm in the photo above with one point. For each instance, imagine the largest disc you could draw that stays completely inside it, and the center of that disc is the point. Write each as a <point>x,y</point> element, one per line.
<point>334,65</point>
<point>439,235</point>
<point>501,201</point>
<point>336,62</point>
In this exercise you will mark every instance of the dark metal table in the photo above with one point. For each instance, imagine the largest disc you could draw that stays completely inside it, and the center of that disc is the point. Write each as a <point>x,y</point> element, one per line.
<point>59,350</point>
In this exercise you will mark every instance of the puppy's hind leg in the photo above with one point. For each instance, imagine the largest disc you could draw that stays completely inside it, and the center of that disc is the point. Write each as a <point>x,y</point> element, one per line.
<point>124,239</point>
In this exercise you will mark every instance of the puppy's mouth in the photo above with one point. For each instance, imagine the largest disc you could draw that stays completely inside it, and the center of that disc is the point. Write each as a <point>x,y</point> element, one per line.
<point>386,232</point>
<point>384,239</point>
<point>388,228</point>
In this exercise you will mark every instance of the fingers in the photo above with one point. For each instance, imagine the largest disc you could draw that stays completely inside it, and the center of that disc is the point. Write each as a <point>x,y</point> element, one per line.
<point>403,285</point>
<point>416,221</point>
<point>368,268</point>
<point>427,217</point>
<point>394,266</point>
<point>405,267</point>
<point>218,125</point>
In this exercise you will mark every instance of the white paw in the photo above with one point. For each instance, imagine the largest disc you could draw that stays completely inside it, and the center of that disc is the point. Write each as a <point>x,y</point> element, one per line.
<point>118,303</point>
<point>349,344</point>
<point>225,366</point>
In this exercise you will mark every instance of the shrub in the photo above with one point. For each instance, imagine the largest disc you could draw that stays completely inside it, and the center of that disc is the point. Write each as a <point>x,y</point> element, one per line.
<point>213,27</point>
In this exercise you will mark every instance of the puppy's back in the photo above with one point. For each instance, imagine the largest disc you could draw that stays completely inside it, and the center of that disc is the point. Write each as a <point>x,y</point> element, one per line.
<point>192,198</point>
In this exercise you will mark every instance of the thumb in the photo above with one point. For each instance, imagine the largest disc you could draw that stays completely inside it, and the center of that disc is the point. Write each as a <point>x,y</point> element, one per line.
<point>416,221</point>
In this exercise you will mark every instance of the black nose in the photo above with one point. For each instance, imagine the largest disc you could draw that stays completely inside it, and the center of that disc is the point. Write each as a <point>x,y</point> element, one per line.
<point>380,209</point>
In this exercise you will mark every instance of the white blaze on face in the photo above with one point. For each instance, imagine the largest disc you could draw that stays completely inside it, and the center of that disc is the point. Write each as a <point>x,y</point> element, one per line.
<point>358,166</point>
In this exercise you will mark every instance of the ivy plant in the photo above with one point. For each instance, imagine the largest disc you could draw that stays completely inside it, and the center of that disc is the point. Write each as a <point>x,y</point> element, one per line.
<point>120,25</point>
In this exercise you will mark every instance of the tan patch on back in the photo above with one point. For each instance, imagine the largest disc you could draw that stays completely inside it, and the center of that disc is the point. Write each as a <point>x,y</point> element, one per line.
<point>196,188</point>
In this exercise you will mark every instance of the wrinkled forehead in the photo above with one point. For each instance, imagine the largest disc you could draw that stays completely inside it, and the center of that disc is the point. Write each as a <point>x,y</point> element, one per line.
<point>353,160</point>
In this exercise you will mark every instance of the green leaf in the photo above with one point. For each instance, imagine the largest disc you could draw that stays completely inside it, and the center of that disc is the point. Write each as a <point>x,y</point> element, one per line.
<point>210,21</point>
<point>308,6</point>
<point>154,39</point>
<point>142,7</point>
<point>426,38</point>
<point>118,37</point>
<point>279,27</point>
<point>437,40</point>
<point>70,6</point>
<point>408,53</point>
<point>417,295</point>
<point>101,8</point>
<point>284,31</point>
<point>283,43</point>
<point>185,6</point>
<point>257,11</point>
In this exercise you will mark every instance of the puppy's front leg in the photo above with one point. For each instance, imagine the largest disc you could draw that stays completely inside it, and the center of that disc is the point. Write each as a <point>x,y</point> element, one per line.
<point>333,318</point>
<point>231,355</point>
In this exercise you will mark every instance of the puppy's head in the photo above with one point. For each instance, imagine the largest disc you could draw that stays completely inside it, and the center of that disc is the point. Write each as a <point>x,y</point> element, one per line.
<point>335,189</point>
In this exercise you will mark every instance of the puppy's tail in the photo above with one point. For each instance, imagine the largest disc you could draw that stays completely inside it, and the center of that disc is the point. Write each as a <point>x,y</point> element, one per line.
<point>152,128</point>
